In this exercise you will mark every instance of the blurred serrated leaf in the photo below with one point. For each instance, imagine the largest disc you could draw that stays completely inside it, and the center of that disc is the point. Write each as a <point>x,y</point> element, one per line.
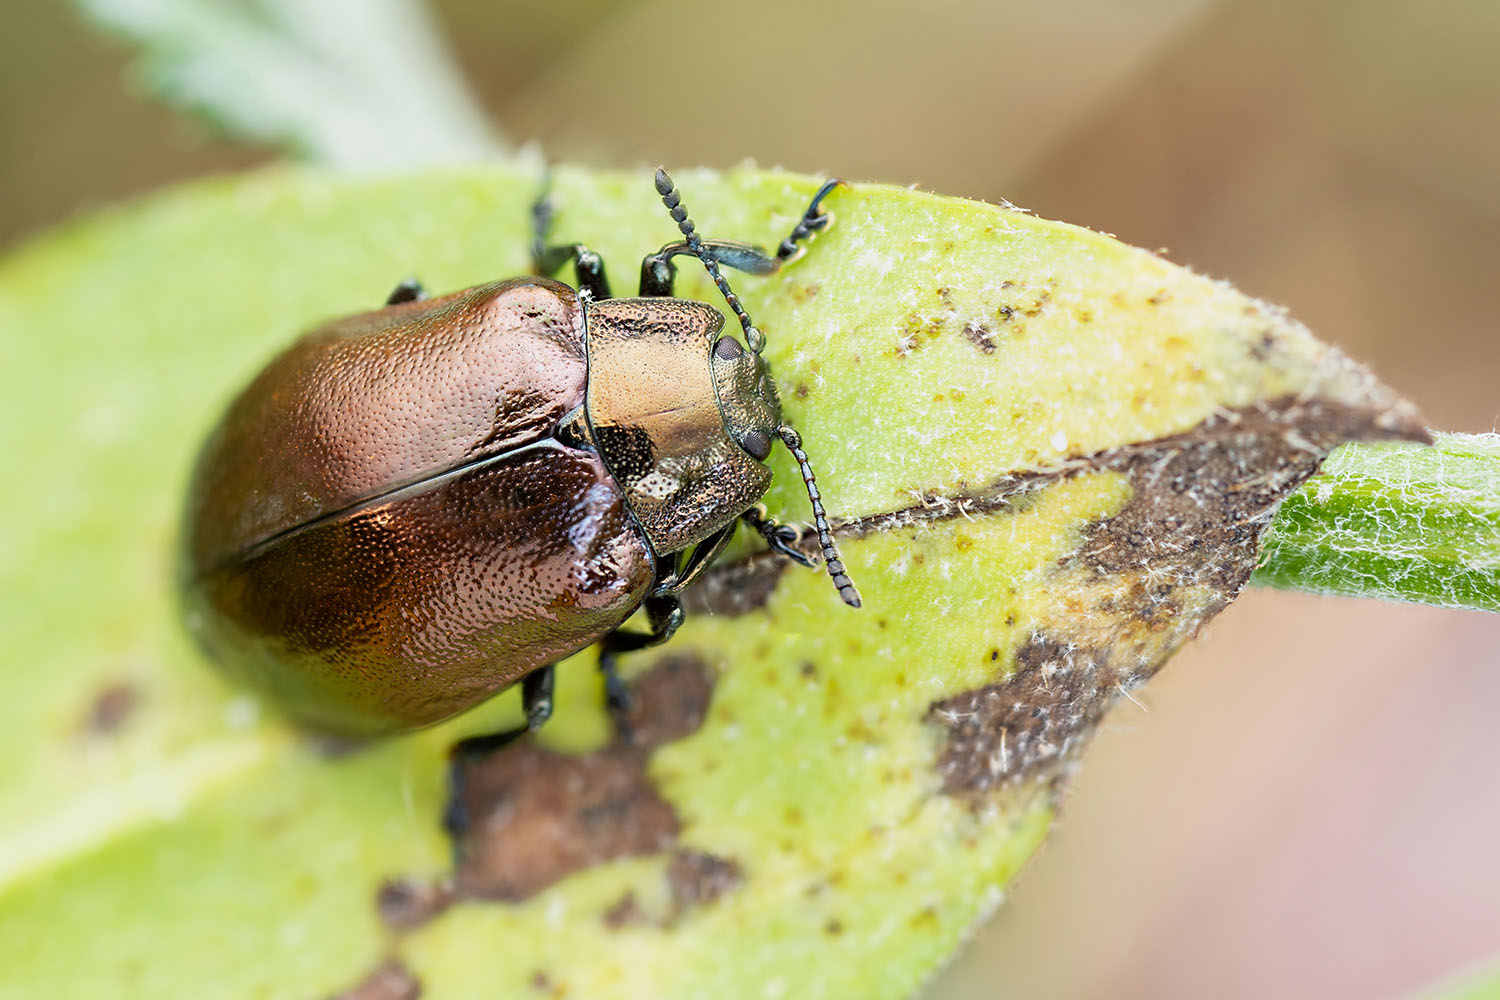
<point>359,84</point>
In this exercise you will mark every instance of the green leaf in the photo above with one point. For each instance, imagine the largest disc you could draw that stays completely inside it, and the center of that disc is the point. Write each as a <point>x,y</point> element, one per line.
<point>1050,457</point>
<point>1399,521</point>
<point>358,84</point>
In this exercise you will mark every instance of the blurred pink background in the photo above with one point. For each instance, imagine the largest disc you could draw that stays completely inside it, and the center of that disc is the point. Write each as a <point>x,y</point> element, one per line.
<point>1311,806</point>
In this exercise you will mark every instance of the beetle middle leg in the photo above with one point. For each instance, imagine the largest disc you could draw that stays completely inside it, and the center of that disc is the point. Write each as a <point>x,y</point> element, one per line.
<point>547,259</point>
<point>665,616</point>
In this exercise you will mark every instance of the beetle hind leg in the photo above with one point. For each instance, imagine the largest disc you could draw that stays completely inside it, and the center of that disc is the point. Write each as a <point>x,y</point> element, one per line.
<point>536,695</point>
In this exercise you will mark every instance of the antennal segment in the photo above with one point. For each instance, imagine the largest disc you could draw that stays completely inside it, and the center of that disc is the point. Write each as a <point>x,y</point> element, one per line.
<point>831,560</point>
<point>754,339</point>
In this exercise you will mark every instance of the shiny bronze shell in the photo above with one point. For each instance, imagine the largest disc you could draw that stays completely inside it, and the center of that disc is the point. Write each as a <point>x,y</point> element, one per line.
<point>412,608</point>
<point>382,531</point>
<point>370,403</point>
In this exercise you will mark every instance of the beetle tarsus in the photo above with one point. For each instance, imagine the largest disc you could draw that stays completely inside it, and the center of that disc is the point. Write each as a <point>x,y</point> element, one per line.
<point>407,290</point>
<point>812,221</point>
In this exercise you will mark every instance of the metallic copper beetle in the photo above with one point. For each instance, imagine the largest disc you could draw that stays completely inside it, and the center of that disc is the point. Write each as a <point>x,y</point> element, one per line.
<point>414,508</point>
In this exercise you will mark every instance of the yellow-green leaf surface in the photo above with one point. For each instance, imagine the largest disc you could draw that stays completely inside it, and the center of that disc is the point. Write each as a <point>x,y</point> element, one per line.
<point>1050,456</point>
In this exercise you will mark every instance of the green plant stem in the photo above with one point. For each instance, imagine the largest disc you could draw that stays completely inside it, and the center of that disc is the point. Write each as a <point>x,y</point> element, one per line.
<point>1404,522</point>
<point>358,84</point>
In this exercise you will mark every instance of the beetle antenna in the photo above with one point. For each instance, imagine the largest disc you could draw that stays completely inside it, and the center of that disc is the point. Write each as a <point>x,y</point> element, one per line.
<point>831,560</point>
<point>669,197</point>
<point>756,342</point>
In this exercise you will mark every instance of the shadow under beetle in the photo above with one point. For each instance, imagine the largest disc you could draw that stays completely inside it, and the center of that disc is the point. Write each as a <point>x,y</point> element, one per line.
<point>414,508</point>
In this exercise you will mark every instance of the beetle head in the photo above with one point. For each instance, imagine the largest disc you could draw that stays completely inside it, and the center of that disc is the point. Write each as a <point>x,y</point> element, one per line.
<point>747,396</point>
<point>751,407</point>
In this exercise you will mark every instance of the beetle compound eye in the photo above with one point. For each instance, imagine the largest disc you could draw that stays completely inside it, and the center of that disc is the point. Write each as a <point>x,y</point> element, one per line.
<point>728,349</point>
<point>757,443</point>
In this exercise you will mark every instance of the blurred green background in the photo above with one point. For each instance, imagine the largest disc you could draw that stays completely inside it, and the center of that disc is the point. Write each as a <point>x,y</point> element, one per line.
<point>1311,805</point>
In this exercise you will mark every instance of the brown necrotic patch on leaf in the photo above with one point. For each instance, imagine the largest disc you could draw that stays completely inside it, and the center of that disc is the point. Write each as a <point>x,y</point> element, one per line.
<point>1141,581</point>
<point>980,336</point>
<point>1201,500</point>
<point>389,981</point>
<point>694,878</point>
<point>111,708</point>
<point>1028,724</point>
<point>533,816</point>
<point>536,816</point>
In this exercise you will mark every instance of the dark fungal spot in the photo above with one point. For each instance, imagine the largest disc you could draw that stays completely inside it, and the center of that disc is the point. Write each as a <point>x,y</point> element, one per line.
<point>1263,347</point>
<point>981,337</point>
<point>624,912</point>
<point>697,878</point>
<point>112,707</point>
<point>389,981</point>
<point>1038,304</point>
<point>532,816</point>
<point>406,904</point>
<point>693,879</point>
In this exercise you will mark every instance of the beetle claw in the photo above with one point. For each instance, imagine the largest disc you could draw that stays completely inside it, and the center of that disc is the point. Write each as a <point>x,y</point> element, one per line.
<point>783,538</point>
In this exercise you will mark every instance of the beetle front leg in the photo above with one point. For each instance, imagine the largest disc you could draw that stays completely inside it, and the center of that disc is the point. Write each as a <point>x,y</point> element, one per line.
<point>812,221</point>
<point>781,538</point>
<point>658,272</point>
